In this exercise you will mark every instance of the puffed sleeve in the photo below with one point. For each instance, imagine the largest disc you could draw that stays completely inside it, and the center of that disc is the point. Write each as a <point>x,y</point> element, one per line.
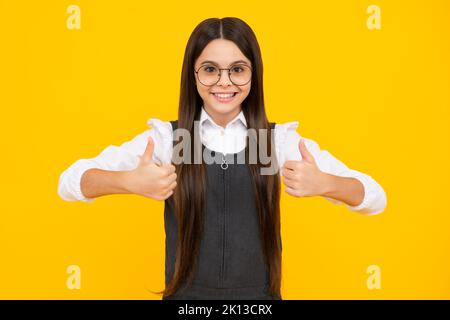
<point>118,158</point>
<point>287,140</point>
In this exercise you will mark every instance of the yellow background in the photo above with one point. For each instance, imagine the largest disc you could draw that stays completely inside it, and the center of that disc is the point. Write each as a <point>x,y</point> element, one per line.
<point>376,99</point>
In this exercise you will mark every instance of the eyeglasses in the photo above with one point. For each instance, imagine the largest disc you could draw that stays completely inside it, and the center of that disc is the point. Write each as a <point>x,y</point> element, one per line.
<point>209,74</point>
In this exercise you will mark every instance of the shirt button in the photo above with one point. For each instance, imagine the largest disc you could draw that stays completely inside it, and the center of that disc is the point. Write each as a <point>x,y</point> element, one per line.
<point>222,132</point>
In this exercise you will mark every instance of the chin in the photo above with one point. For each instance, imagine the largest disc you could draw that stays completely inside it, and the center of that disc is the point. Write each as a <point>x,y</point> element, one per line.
<point>223,108</point>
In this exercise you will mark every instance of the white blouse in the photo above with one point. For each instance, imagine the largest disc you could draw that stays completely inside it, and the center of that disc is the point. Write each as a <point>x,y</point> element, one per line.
<point>230,139</point>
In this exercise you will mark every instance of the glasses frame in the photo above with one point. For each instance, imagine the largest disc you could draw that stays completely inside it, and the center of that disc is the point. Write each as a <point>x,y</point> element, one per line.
<point>229,75</point>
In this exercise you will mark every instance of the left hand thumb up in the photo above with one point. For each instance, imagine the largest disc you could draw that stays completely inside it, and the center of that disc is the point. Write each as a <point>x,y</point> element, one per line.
<point>306,155</point>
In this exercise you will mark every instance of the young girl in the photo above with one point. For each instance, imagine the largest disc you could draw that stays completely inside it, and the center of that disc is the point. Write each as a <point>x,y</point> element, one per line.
<point>222,218</point>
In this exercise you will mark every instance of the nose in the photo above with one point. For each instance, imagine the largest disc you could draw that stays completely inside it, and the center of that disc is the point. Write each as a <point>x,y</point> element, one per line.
<point>227,80</point>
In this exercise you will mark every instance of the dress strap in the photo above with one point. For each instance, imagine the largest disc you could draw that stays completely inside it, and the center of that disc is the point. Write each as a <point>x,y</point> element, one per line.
<point>174,124</point>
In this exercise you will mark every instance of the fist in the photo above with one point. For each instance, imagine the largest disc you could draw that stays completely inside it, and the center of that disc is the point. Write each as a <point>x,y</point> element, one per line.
<point>303,178</point>
<point>150,179</point>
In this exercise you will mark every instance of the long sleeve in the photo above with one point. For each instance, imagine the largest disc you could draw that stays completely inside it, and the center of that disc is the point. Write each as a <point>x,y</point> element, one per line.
<point>287,140</point>
<point>117,158</point>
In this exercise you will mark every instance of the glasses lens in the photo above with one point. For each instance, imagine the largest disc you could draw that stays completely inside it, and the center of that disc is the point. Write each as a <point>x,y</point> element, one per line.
<point>208,75</point>
<point>240,74</point>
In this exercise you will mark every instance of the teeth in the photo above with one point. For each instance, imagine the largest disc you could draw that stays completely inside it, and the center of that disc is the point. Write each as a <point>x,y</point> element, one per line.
<point>224,95</point>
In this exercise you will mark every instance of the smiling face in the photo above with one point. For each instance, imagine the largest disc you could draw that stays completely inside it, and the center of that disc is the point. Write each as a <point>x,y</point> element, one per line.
<point>222,100</point>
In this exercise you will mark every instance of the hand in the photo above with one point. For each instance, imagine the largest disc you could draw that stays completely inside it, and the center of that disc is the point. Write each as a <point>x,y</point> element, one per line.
<point>149,179</point>
<point>303,178</point>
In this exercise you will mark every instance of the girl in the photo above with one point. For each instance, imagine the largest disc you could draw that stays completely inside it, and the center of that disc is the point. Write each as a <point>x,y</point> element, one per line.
<point>222,219</point>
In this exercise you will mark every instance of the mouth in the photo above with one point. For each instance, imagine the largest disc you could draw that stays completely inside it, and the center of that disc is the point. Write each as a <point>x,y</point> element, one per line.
<point>224,97</point>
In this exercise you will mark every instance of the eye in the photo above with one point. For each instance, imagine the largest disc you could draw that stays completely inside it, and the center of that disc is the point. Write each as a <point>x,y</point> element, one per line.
<point>237,69</point>
<point>209,69</point>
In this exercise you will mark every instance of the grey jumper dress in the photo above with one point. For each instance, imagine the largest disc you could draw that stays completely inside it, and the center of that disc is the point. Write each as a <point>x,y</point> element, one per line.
<point>231,262</point>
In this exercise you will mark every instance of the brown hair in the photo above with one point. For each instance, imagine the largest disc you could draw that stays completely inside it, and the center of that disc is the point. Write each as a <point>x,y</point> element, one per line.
<point>189,196</point>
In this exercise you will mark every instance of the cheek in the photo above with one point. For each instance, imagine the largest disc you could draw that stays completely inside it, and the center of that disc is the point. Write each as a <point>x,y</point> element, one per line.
<point>245,91</point>
<point>203,91</point>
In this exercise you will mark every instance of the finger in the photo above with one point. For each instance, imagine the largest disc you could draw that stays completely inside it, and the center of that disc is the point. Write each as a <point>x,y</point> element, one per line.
<point>306,155</point>
<point>171,187</point>
<point>289,183</point>
<point>168,168</point>
<point>147,156</point>
<point>167,195</point>
<point>288,173</point>
<point>164,183</point>
<point>291,192</point>
<point>164,196</point>
<point>292,164</point>
<point>164,179</point>
<point>172,177</point>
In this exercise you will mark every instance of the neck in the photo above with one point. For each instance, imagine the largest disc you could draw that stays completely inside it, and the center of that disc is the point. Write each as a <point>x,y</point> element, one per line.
<point>222,119</point>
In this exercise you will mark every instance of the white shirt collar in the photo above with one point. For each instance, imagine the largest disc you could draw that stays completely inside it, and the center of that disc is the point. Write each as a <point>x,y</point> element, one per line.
<point>205,116</point>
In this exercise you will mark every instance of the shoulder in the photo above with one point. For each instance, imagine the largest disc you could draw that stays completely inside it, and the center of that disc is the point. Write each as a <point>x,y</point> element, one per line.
<point>162,134</point>
<point>161,130</point>
<point>286,126</point>
<point>287,133</point>
<point>159,125</point>
<point>287,139</point>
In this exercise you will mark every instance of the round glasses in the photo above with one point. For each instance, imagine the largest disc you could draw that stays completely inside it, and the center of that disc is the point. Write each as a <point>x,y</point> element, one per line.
<point>209,75</point>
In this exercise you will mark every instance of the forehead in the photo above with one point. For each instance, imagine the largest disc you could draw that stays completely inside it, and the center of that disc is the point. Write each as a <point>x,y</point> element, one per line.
<point>222,52</point>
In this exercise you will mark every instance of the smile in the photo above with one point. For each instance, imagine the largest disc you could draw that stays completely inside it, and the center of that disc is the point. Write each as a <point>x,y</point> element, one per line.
<point>224,97</point>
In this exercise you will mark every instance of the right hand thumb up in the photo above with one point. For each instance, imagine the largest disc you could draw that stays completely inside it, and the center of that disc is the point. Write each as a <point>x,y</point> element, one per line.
<point>150,179</point>
<point>147,156</point>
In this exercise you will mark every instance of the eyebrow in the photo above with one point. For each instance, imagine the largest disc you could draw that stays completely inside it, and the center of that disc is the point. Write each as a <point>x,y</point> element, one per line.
<point>234,62</point>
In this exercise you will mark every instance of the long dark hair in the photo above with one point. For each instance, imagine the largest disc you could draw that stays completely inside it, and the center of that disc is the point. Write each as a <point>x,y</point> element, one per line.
<point>189,196</point>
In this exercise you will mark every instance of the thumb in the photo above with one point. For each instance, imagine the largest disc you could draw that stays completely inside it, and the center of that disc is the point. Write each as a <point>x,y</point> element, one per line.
<point>306,155</point>
<point>147,156</point>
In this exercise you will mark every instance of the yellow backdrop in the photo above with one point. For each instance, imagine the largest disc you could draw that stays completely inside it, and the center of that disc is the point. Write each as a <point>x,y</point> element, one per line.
<point>369,84</point>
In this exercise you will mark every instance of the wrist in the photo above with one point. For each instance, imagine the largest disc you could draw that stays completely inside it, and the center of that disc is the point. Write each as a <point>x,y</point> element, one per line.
<point>328,184</point>
<point>124,179</point>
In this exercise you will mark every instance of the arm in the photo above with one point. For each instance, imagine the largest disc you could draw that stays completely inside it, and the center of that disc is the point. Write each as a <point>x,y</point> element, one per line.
<point>303,178</point>
<point>97,182</point>
<point>110,161</point>
<point>343,189</point>
<point>147,179</point>
<point>374,198</point>
<point>104,174</point>
<point>333,179</point>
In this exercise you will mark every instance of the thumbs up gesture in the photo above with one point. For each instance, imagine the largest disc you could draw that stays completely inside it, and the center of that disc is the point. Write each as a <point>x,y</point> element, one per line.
<point>303,178</point>
<point>151,180</point>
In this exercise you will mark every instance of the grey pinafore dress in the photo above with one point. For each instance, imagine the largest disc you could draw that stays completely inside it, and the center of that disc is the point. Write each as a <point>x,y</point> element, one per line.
<point>231,263</point>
